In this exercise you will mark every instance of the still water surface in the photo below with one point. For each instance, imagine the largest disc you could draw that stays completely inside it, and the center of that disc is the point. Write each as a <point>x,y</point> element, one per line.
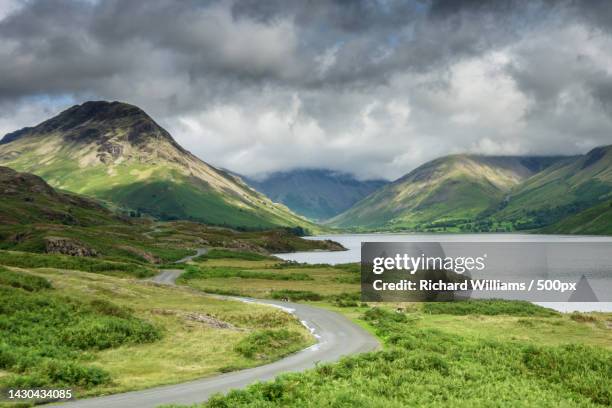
<point>353,243</point>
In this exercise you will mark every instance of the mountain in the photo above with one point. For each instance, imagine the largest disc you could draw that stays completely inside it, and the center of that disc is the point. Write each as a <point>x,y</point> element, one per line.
<point>315,193</point>
<point>563,189</point>
<point>115,152</point>
<point>443,193</point>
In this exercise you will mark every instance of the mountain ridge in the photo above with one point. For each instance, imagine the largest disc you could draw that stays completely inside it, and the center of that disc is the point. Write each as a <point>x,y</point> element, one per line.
<point>116,152</point>
<point>445,192</point>
<point>315,193</point>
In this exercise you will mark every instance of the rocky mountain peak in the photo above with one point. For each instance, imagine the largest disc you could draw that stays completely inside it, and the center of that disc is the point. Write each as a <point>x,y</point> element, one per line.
<point>99,122</point>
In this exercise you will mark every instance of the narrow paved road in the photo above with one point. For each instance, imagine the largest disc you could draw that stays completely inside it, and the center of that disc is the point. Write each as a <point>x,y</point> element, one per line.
<point>336,335</point>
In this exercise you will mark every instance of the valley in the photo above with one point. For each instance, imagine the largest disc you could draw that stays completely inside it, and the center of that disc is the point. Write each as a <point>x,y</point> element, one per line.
<point>99,204</point>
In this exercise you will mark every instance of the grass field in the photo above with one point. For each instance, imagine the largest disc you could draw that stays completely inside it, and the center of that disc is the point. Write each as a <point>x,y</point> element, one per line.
<point>103,334</point>
<point>479,353</point>
<point>456,359</point>
<point>267,277</point>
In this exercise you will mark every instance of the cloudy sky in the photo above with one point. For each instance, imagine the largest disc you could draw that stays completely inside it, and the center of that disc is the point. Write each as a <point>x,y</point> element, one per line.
<point>370,87</point>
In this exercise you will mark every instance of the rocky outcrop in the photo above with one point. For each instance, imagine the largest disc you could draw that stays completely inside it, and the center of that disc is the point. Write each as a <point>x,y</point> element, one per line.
<point>67,246</point>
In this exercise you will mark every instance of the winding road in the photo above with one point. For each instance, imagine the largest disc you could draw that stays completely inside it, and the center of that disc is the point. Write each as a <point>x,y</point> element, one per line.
<point>336,335</point>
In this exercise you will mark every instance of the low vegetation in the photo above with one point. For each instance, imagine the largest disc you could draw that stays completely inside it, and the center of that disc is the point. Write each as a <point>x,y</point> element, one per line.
<point>33,260</point>
<point>430,367</point>
<point>218,253</point>
<point>45,333</point>
<point>98,333</point>
<point>267,344</point>
<point>295,295</point>
<point>488,307</point>
<point>272,278</point>
<point>202,272</point>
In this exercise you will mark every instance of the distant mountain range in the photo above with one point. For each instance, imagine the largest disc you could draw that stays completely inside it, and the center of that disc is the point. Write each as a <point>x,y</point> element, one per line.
<point>489,193</point>
<point>115,152</point>
<point>318,194</point>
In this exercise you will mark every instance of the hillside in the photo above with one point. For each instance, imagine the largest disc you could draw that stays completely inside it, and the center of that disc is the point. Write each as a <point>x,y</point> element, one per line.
<point>596,220</point>
<point>444,192</point>
<point>27,199</point>
<point>115,152</point>
<point>564,189</point>
<point>318,194</point>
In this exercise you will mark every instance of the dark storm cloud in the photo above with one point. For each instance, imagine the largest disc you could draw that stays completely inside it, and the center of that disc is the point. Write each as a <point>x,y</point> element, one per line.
<point>373,87</point>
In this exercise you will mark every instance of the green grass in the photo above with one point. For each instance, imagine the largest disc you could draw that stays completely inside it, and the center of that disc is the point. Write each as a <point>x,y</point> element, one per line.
<point>32,260</point>
<point>487,307</point>
<point>295,295</point>
<point>428,367</point>
<point>272,278</point>
<point>200,272</point>
<point>45,334</point>
<point>101,334</point>
<point>30,283</point>
<point>265,344</point>
<point>596,220</point>
<point>218,253</point>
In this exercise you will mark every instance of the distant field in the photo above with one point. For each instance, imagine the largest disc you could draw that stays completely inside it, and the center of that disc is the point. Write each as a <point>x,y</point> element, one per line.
<point>269,277</point>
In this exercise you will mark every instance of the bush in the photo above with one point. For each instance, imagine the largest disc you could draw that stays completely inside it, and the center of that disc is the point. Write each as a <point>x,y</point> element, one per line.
<point>33,260</point>
<point>488,307</point>
<point>295,295</point>
<point>263,344</point>
<point>346,299</point>
<point>229,254</point>
<point>24,281</point>
<point>100,333</point>
<point>68,373</point>
<point>193,272</point>
<point>43,335</point>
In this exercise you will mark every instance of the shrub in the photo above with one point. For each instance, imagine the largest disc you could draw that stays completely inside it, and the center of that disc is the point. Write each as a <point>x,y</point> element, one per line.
<point>488,307</point>
<point>295,295</point>
<point>100,333</point>
<point>229,254</point>
<point>262,344</point>
<point>33,260</point>
<point>24,281</point>
<point>43,335</point>
<point>193,272</point>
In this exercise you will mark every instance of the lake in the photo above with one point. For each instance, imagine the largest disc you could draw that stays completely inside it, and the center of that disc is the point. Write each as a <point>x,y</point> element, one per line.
<point>353,243</point>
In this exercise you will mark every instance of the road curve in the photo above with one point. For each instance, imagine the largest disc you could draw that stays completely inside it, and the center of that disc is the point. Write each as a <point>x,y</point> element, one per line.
<point>336,335</point>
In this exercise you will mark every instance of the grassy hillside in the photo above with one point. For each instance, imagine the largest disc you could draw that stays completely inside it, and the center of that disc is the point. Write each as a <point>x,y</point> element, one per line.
<point>316,194</point>
<point>38,219</point>
<point>116,152</point>
<point>562,190</point>
<point>596,220</point>
<point>444,192</point>
<point>28,199</point>
<point>94,334</point>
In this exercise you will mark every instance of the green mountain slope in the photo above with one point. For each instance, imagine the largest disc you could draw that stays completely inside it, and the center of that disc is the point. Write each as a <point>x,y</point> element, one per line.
<point>443,193</point>
<point>315,193</point>
<point>27,199</point>
<point>116,152</point>
<point>564,189</point>
<point>596,220</point>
